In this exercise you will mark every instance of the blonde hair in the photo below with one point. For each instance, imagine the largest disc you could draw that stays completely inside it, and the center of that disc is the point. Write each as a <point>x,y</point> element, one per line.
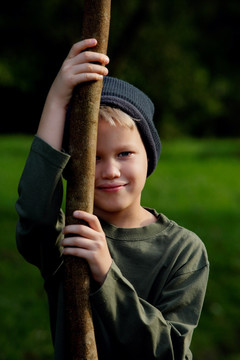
<point>116,117</point>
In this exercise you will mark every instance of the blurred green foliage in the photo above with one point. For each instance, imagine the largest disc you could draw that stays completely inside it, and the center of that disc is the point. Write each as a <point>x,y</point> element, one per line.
<point>197,184</point>
<point>183,54</point>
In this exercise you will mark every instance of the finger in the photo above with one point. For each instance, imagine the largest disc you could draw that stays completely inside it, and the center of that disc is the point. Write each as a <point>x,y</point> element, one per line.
<point>77,251</point>
<point>77,245</point>
<point>91,219</point>
<point>87,77</point>
<point>81,46</point>
<point>77,241</point>
<point>83,231</point>
<point>89,68</point>
<point>88,57</point>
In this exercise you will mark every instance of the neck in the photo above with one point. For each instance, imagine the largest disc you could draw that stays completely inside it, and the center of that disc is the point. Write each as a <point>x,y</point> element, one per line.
<point>128,219</point>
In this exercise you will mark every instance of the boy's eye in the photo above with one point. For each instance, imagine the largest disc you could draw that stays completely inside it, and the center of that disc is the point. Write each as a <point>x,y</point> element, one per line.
<point>125,154</point>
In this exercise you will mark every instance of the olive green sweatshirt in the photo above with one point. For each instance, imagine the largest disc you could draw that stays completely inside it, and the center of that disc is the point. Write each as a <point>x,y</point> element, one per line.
<point>152,297</point>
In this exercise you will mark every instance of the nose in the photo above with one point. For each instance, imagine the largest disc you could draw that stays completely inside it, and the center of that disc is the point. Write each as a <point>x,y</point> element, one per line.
<point>110,169</point>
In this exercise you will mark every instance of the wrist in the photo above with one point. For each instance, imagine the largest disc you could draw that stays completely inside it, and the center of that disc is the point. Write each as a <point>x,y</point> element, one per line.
<point>52,122</point>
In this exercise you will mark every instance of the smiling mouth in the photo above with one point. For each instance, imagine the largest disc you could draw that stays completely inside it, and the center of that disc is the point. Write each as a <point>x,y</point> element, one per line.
<point>111,187</point>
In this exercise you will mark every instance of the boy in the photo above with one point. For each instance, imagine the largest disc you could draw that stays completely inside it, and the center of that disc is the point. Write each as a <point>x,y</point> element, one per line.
<point>149,274</point>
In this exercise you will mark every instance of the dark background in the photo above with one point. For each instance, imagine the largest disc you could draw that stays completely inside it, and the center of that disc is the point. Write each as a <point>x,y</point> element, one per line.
<point>182,53</point>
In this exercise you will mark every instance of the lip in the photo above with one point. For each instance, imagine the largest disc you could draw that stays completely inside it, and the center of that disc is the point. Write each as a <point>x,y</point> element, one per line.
<point>111,187</point>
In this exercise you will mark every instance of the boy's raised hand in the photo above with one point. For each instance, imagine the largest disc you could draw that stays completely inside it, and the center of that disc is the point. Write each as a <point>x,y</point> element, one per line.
<point>79,66</point>
<point>89,243</point>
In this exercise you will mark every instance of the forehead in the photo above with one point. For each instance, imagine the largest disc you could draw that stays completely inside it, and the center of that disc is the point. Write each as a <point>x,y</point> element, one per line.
<point>117,134</point>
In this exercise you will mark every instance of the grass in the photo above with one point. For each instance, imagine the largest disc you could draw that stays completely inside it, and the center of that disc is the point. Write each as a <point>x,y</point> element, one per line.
<point>24,324</point>
<point>197,185</point>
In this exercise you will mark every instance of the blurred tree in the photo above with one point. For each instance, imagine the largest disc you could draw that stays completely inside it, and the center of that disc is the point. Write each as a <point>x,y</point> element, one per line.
<point>182,54</point>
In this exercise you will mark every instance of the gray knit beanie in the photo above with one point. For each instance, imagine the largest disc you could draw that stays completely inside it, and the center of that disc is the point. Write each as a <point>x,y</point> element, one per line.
<point>126,97</point>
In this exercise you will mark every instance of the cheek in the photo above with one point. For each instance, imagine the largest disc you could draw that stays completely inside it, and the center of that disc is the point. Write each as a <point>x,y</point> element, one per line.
<point>143,164</point>
<point>138,170</point>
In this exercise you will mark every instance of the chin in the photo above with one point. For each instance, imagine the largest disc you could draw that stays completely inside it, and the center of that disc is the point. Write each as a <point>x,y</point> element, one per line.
<point>109,208</point>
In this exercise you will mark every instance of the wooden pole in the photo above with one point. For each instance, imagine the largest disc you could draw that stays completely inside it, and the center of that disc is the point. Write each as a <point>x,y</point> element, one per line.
<point>80,186</point>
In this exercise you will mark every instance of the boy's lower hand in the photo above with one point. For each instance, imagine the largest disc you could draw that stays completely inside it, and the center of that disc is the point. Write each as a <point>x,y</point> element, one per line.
<point>88,243</point>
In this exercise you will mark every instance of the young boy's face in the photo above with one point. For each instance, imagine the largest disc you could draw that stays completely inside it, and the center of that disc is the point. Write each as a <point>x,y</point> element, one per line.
<point>121,170</point>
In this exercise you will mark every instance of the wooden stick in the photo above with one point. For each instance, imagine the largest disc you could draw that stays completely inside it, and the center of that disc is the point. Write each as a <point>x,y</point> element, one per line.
<point>80,186</point>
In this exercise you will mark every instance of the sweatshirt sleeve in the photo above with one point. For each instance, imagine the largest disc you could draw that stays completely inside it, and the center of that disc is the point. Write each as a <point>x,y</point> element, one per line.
<point>150,331</point>
<point>39,207</point>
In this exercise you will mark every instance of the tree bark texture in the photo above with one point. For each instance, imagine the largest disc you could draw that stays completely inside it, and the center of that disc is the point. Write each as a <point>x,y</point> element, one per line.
<point>82,141</point>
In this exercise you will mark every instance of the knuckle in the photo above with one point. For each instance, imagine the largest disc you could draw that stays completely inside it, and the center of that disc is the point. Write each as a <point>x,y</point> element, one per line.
<point>100,244</point>
<point>87,56</point>
<point>95,218</point>
<point>75,243</point>
<point>70,242</point>
<point>75,47</point>
<point>88,77</point>
<point>66,73</point>
<point>89,67</point>
<point>65,67</point>
<point>72,251</point>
